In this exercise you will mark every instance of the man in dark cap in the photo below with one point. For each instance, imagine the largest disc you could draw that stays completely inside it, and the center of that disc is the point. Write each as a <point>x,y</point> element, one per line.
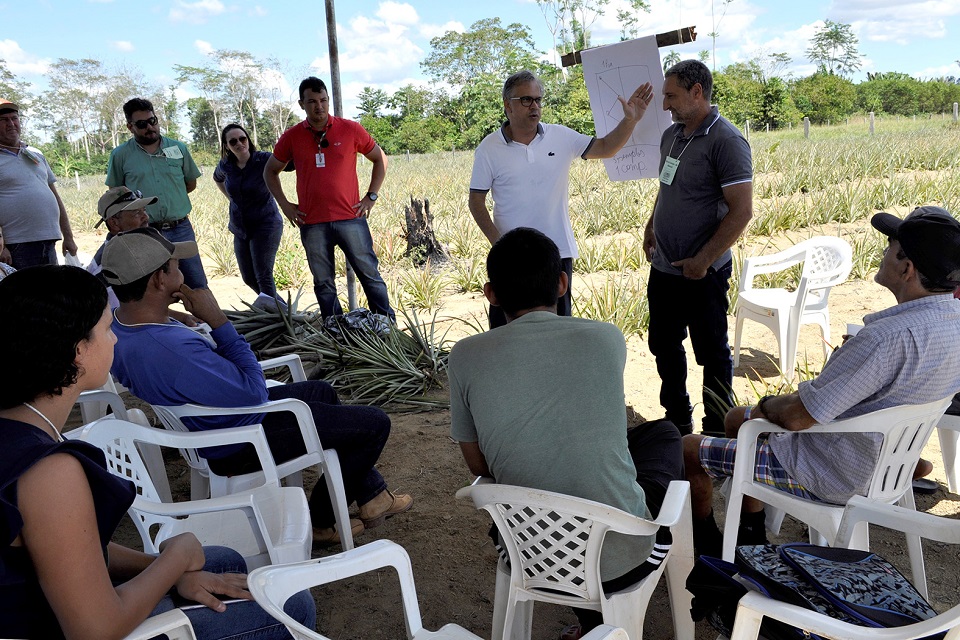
<point>906,354</point>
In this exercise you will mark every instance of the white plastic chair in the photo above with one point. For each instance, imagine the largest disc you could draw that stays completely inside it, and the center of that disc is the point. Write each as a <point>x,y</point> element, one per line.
<point>174,625</point>
<point>554,544</point>
<point>905,431</point>
<point>93,407</point>
<point>826,262</point>
<point>268,524</point>
<point>948,430</point>
<point>326,461</point>
<point>754,606</point>
<point>272,587</point>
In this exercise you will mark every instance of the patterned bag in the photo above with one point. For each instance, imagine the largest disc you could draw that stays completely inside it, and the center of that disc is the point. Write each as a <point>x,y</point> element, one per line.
<point>858,587</point>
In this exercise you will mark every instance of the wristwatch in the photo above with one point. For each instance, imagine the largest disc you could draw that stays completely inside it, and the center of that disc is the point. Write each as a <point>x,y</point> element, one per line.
<point>372,195</point>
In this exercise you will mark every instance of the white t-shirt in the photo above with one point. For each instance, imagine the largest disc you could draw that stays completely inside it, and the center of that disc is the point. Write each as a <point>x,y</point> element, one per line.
<point>530,183</point>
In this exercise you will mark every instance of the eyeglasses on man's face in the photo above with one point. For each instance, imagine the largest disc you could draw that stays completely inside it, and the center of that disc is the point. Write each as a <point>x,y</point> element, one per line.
<point>529,100</point>
<point>143,124</point>
<point>233,142</point>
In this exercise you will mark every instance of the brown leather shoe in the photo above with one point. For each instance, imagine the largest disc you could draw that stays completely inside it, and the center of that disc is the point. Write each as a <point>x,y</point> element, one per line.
<point>387,504</point>
<point>329,536</point>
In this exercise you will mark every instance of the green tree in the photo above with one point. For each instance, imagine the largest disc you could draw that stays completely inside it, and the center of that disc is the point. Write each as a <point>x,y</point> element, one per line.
<point>12,88</point>
<point>487,48</point>
<point>893,93</point>
<point>569,21</point>
<point>372,101</point>
<point>834,48</point>
<point>203,124</point>
<point>824,97</point>
<point>670,59</point>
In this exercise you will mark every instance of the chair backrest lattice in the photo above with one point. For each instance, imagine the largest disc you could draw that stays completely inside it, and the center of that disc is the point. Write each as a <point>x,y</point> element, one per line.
<point>899,452</point>
<point>552,547</point>
<point>825,263</point>
<point>123,459</point>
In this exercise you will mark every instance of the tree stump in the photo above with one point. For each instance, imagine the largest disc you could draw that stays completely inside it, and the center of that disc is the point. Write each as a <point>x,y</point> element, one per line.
<point>422,244</point>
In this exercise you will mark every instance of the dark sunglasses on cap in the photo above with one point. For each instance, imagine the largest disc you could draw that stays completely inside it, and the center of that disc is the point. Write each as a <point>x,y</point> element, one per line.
<point>130,196</point>
<point>143,124</point>
<point>238,140</point>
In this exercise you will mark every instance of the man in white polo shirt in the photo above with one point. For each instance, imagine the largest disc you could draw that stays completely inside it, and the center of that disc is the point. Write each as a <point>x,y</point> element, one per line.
<point>526,164</point>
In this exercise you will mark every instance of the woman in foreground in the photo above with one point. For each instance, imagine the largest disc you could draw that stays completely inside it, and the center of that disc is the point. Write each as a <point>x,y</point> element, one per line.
<point>60,576</point>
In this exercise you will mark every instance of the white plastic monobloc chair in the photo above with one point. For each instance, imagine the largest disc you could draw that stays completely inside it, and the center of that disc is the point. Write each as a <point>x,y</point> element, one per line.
<point>326,461</point>
<point>905,431</point>
<point>273,586</point>
<point>269,524</point>
<point>173,625</point>
<point>826,262</point>
<point>94,406</point>
<point>753,607</point>
<point>554,544</point>
<point>948,430</point>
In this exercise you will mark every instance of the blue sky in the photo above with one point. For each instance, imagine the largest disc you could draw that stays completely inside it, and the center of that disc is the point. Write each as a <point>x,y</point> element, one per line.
<point>383,41</point>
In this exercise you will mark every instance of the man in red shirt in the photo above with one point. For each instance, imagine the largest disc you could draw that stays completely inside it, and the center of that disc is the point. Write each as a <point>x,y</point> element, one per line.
<point>329,210</point>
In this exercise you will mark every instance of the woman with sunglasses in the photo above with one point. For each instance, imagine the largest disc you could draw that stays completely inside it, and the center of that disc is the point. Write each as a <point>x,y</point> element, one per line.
<point>254,217</point>
<point>60,576</point>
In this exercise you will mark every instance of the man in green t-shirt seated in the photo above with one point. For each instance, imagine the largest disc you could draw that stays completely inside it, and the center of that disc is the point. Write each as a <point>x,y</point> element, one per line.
<point>539,403</point>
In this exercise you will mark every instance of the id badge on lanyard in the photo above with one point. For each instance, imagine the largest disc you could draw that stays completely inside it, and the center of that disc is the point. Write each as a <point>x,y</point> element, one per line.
<point>321,161</point>
<point>670,165</point>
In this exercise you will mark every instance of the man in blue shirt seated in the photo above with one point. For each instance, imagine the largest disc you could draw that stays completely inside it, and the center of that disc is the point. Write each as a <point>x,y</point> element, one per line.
<point>906,354</point>
<point>165,363</point>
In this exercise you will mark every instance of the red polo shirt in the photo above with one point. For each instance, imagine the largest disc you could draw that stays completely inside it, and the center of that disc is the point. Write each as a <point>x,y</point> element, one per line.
<point>327,192</point>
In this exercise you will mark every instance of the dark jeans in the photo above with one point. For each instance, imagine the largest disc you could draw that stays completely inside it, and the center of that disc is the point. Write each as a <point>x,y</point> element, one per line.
<point>357,433</point>
<point>676,304</point>
<point>564,306</point>
<point>191,268</point>
<point>256,255</point>
<point>353,237</point>
<point>31,254</point>
<point>657,454</point>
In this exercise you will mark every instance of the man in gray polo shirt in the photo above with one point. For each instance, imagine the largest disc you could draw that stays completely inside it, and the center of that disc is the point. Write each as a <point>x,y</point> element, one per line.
<point>906,354</point>
<point>704,204</point>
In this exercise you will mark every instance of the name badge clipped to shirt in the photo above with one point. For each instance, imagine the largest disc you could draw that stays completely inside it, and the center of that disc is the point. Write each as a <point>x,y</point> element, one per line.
<point>321,161</point>
<point>669,170</point>
<point>173,153</point>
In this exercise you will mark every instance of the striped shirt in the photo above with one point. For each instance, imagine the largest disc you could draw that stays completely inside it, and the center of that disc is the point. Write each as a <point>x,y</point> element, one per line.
<point>907,354</point>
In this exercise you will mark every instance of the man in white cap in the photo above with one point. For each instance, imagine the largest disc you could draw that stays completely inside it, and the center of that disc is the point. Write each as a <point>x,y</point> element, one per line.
<point>31,212</point>
<point>906,354</point>
<point>164,363</point>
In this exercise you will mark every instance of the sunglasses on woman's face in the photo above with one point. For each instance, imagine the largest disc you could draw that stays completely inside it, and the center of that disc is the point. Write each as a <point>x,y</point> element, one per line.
<point>238,140</point>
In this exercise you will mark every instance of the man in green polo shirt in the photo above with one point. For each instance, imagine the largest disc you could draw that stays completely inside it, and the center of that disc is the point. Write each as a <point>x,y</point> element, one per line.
<point>154,164</point>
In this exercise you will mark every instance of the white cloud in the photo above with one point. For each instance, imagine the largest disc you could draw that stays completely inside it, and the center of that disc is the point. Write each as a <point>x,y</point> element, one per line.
<point>203,47</point>
<point>122,45</point>
<point>397,12</point>
<point>19,62</point>
<point>374,51</point>
<point>945,70</point>
<point>900,21</point>
<point>430,31</point>
<point>258,12</point>
<point>197,12</point>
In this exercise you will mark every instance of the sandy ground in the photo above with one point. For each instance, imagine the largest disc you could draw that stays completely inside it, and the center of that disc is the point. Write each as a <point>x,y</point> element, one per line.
<point>454,562</point>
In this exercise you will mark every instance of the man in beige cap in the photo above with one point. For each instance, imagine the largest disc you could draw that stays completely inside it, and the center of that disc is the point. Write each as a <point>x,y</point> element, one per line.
<point>31,212</point>
<point>164,363</point>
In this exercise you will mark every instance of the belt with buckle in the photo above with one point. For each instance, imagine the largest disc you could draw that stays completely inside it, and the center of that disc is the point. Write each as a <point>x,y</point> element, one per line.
<point>166,225</point>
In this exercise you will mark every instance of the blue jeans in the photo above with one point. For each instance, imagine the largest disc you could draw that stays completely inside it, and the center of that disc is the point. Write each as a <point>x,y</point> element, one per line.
<point>31,254</point>
<point>353,237</point>
<point>256,255</point>
<point>677,303</point>
<point>191,268</point>
<point>242,620</point>
<point>358,434</point>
